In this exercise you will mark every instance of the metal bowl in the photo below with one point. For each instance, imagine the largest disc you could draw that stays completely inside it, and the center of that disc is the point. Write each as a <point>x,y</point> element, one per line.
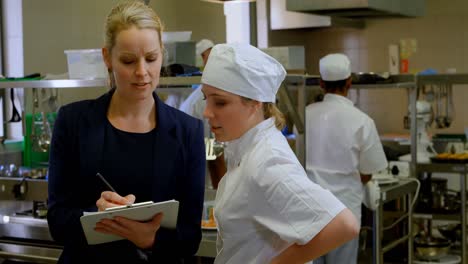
<point>451,232</point>
<point>430,248</point>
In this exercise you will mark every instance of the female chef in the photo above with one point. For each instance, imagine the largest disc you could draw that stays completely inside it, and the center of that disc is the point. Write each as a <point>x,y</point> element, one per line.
<point>266,208</point>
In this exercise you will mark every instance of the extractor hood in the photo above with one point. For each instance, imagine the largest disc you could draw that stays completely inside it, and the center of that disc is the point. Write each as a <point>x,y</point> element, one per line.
<point>359,8</point>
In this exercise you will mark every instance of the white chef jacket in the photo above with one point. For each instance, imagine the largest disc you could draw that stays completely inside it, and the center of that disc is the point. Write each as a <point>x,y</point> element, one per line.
<point>194,105</point>
<point>265,202</point>
<point>341,143</point>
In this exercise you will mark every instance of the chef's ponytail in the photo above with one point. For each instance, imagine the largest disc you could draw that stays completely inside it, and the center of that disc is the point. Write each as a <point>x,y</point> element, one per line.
<point>270,110</point>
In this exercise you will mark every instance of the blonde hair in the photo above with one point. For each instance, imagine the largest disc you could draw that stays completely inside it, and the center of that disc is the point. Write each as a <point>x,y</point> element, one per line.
<point>128,14</point>
<point>270,110</point>
<point>124,16</point>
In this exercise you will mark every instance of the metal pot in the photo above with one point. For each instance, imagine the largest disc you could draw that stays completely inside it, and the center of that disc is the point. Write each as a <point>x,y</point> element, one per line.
<point>451,232</point>
<point>431,248</point>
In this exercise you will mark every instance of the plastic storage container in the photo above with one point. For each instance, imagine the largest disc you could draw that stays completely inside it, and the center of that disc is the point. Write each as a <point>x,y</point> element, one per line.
<point>86,64</point>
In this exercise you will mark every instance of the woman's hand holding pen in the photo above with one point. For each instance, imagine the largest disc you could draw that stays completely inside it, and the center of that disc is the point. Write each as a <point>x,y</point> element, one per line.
<point>110,199</point>
<point>141,234</point>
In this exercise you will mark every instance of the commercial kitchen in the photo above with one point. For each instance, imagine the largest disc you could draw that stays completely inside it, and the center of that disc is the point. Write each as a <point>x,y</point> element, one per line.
<point>409,60</point>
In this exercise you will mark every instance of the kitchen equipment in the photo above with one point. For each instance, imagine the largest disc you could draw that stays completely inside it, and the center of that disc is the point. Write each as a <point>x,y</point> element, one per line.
<point>213,148</point>
<point>383,178</point>
<point>449,107</point>
<point>46,134</point>
<point>448,259</point>
<point>438,190</point>
<point>357,8</point>
<point>451,232</point>
<point>26,239</point>
<point>424,145</point>
<point>209,152</point>
<point>431,248</point>
<point>15,115</point>
<point>370,78</point>
<point>50,97</point>
<point>445,110</point>
<point>372,195</point>
<point>1,118</point>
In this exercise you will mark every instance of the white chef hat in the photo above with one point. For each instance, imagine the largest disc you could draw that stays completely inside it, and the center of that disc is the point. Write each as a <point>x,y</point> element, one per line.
<point>244,70</point>
<point>203,45</point>
<point>335,67</point>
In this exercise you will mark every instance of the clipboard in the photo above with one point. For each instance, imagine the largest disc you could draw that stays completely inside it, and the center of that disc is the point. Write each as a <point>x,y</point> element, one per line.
<point>139,211</point>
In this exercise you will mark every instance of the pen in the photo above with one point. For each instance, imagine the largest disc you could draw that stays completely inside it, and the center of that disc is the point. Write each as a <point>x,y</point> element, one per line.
<point>104,180</point>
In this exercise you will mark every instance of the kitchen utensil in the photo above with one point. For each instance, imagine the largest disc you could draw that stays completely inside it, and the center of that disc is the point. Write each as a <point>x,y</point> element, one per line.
<point>438,190</point>
<point>41,133</point>
<point>451,232</point>
<point>450,110</point>
<point>431,248</point>
<point>369,78</point>
<point>53,100</point>
<point>439,118</point>
<point>46,134</point>
<point>15,116</point>
<point>209,149</point>
<point>218,148</point>
<point>50,98</point>
<point>33,120</point>
<point>448,259</point>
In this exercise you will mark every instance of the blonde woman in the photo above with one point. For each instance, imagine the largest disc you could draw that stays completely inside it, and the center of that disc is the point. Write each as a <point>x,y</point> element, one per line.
<point>145,149</point>
<point>266,209</point>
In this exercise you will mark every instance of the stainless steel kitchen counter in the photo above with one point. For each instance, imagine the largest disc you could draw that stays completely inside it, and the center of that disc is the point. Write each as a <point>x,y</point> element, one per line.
<point>37,229</point>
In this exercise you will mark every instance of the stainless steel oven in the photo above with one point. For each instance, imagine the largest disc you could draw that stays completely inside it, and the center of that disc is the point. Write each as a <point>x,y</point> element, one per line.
<point>24,232</point>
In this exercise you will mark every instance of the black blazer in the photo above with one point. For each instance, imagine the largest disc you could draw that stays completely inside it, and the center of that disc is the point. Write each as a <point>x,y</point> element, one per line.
<point>75,158</point>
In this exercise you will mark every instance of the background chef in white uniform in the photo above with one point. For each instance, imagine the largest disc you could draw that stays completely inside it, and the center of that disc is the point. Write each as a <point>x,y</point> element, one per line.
<point>343,148</point>
<point>194,105</point>
<point>266,209</point>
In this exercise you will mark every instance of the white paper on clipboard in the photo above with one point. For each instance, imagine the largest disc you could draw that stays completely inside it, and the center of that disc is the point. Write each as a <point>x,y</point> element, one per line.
<point>140,212</point>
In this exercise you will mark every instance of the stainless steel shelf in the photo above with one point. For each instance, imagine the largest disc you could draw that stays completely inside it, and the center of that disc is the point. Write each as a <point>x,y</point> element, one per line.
<point>446,217</point>
<point>402,81</point>
<point>176,81</point>
<point>164,81</point>
<point>456,78</point>
<point>443,167</point>
<point>404,85</point>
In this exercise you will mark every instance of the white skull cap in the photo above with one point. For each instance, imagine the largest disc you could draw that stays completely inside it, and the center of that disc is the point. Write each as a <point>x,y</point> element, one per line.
<point>335,67</point>
<point>244,70</point>
<point>203,45</point>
